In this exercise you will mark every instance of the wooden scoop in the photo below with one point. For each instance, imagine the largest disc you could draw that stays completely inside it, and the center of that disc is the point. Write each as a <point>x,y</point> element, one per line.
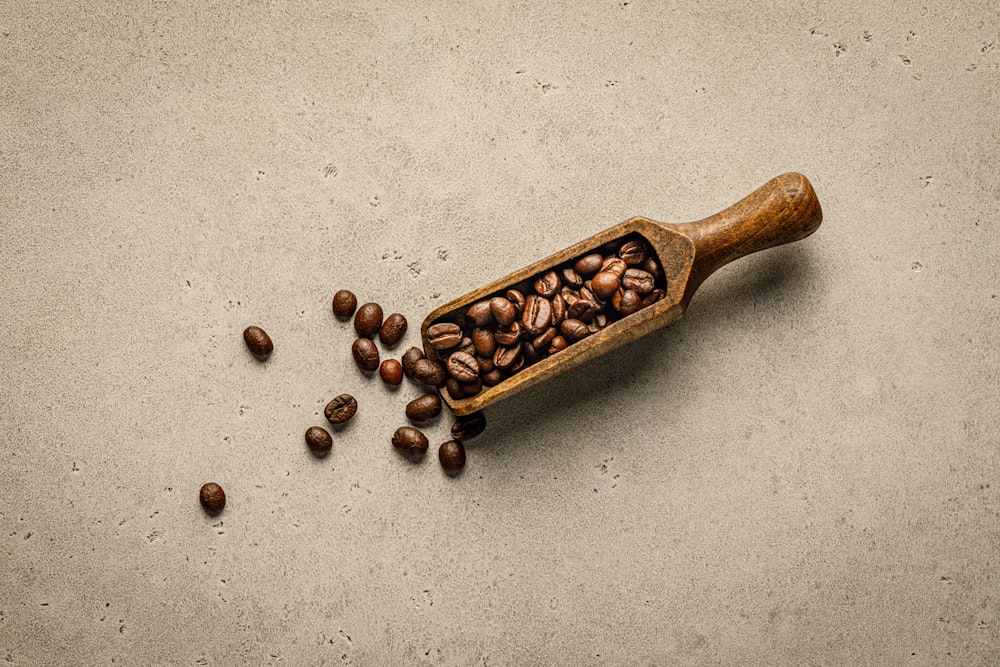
<point>783,210</point>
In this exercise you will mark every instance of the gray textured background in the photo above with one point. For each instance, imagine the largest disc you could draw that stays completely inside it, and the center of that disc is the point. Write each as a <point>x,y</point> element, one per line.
<point>803,471</point>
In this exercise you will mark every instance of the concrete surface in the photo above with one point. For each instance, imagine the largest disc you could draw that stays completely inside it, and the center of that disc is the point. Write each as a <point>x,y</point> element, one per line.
<point>803,471</point>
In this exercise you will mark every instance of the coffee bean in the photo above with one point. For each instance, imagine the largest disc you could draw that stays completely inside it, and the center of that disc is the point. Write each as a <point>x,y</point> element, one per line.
<point>480,313</point>
<point>454,389</point>
<point>492,378</point>
<point>516,298</point>
<point>614,265</point>
<point>410,442</point>
<point>368,320</point>
<point>588,265</point>
<point>472,388</point>
<point>212,498</point>
<point>391,372</point>
<point>653,297</point>
<point>507,357</point>
<point>318,440</point>
<point>531,355</point>
<point>537,314</point>
<point>393,330</point>
<point>558,309</point>
<point>605,284</point>
<point>483,341</point>
<point>340,409</point>
<point>365,354</point>
<point>452,457</point>
<point>503,310</point>
<point>485,363</point>
<point>544,339</point>
<point>626,302</point>
<point>444,336</point>
<point>586,294</point>
<point>558,345</point>
<point>508,336</point>
<point>611,247</point>
<point>463,367</point>
<point>423,408</point>
<point>653,267</point>
<point>574,329</point>
<point>344,303</point>
<point>638,280</point>
<point>571,278</point>
<point>467,346</point>
<point>592,326</point>
<point>468,427</point>
<point>258,342</point>
<point>548,284</point>
<point>429,372</point>
<point>410,357</point>
<point>518,365</point>
<point>633,252</point>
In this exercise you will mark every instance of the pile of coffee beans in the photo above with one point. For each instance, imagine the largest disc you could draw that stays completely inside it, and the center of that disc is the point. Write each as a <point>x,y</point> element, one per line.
<point>495,338</point>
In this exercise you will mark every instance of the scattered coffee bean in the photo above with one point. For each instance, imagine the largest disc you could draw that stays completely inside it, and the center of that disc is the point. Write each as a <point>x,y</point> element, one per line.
<point>544,339</point>
<point>454,388</point>
<point>344,303</point>
<point>588,265</point>
<point>340,409</point>
<point>258,342</point>
<point>466,346</point>
<point>393,330</point>
<point>429,372</point>
<point>492,378</point>
<point>537,314</point>
<point>633,252</point>
<point>503,310</point>
<point>626,302</point>
<point>653,267</point>
<point>574,329</point>
<point>368,320</point>
<point>471,388</point>
<point>391,372</point>
<point>480,313</point>
<point>410,357</point>
<point>653,297</point>
<point>614,265</point>
<point>529,353</point>
<point>558,309</point>
<point>506,357</point>
<point>423,408</point>
<point>365,354</point>
<point>548,285</point>
<point>468,427</point>
<point>318,440</point>
<point>452,457</point>
<point>463,367</point>
<point>571,278</point>
<point>605,284</point>
<point>485,363</point>
<point>516,298</point>
<point>508,335</point>
<point>444,336</point>
<point>212,498</point>
<point>558,344</point>
<point>638,280</point>
<point>410,442</point>
<point>483,341</point>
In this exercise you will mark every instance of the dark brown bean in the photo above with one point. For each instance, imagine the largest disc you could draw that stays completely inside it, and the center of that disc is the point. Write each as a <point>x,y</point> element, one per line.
<point>614,265</point>
<point>492,378</point>
<point>529,353</point>
<point>483,341</point>
<point>444,335</point>
<point>212,498</point>
<point>626,301</point>
<point>558,309</point>
<point>605,284</point>
<point>344,303</point>
<point>318,440</point>
<point>633,252</point>
<point>258,342</point>
<point>503,310</point>
<point>410,442</point>
<point>341,409</point>
<point>480,313</point>
<point>653,297</point>
<point>516,298</point>
<point>393,330</point>
<point>365,354</point>
<point>423,408</point>
<point>463,367</point>
<point>638,281</point>
<point>410,357</point>
<point>454,389</point>
<point>571,278</point>
<point>471,388</point>
<point>601,320</point>
<point>588,265</point>
<point>466,346</point>
<point>611,247</point>
<point>508,336</point>
<point>452,457</point>
<point>558,345</point>
<point>537,314</point>
<point>548,285</point>
<point>506,357</point>
<point>574,329</point>
<point>653,267</point>
<point>544,339</point>
<point>429,372</point>
<point>485,364</point>
<point>391,372</point>
<point>368,320</point>
<point>468,427</point>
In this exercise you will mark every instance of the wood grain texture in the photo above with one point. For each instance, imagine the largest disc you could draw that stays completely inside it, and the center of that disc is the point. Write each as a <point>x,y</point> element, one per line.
<point>783,210</point>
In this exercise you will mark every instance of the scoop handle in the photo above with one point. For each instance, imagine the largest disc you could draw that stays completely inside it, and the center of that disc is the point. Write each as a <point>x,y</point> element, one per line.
<point>783,210</point>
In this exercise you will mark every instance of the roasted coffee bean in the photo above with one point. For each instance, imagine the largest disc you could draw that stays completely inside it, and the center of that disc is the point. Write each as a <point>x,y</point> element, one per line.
<point>503,310</point>
<point>212,498</point>
<point>452,457</point>
<point>410,357</point>
<point>508,336</point>
<point>653,267</point>
<point>466,346</point>
<point>471,388</point>
<point>537,314</point>
<point>318,440</point>
<point>588,284</point>
<point>638,280</point>
<point>516,298</point>
<point>601,320</point>
<point>633,252</point>
<point>454,389</point>
<point>558,309</point>
<point>468,427</point>
<point>340,409</point>
<point>626,301</point>
<point>258,342</point>
<point>393,330</point>
<point>410,442</point>
<point>423,408</point>
<point>588,265</point>
<point>463,367</point>
<point>588,295</point>
<point>571,278</point>
<point>518,365</point>
<point>365,354</point>
<point>653,297</point>
<point>391,372</point>
<point>558,345</point>
<point>581,309</point>
<point>492,378</point>
<point>480,313</point>
<point>592,326</point>
<point>531,355</point>
<point>611,247</point>
<point>429,372</point>
<point>548,284</point>
<point>506,357</point>
<point>485,364</point>
<point>573,329</point>
<point>368,320</point>
<point>614,265</point>
<point>344,303</point>
<point>483,341</point>
<point>544,339</point>
<point>605,284</point>
<point>444,336</point>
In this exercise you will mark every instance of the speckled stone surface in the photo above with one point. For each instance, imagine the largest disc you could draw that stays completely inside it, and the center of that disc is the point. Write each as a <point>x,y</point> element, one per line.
<point>802,471</point>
